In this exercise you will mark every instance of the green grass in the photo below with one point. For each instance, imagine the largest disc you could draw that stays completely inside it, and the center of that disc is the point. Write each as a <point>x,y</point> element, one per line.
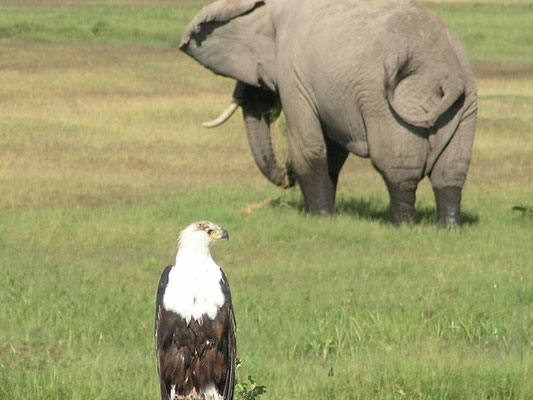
<point>489,32</point>
<point>103,161</point>
<point>96,23</point>
<point>418,311</point>
<point>493,33</point>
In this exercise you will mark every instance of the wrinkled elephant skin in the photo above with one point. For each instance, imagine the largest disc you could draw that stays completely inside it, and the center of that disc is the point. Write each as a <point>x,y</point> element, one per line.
<point>387,80</point>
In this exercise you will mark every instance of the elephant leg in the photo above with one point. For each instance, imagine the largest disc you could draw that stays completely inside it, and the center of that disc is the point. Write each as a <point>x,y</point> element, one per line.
<point>448,201</point>
<point>309,156</point>
<point>317,187</point>
<point>318,192</point>
<point>402,203</point>
<point>449,172</point>
<point>399,153</point>
<point>336,157</point>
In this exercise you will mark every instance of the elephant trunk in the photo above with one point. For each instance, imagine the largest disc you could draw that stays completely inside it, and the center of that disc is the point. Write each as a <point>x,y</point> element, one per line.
<point>256,106</point>
<point>261,145</point>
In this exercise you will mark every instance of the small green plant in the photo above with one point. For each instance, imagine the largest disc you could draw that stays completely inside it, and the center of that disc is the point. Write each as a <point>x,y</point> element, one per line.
<point>100,28</point>
<point>248,389</point>
<point>526,210</point>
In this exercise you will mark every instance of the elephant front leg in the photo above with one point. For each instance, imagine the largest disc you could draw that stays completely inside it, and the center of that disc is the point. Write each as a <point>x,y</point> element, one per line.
<point>402,203</point>
<point>310,164</point>
<point>319,174</point>
<point>315,168</point>
<point>318,191</point>
<point>318,177</point>
<point>448,201</point>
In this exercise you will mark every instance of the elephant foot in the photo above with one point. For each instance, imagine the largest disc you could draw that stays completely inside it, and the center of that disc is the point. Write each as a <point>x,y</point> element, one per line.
<point>319,194</point>
<point>402,204</point>
<point>448,201</point>
<point>319,206</point>
<point>321,213</point>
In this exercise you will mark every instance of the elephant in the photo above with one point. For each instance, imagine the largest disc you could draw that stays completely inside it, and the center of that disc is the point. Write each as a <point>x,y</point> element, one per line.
<point>386,80</point>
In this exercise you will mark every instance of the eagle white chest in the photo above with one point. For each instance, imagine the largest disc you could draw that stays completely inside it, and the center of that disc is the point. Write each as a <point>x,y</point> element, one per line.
<point>193,287</point>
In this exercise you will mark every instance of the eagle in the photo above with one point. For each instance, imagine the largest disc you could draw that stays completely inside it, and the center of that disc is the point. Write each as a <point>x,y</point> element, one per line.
<point>195,322</point>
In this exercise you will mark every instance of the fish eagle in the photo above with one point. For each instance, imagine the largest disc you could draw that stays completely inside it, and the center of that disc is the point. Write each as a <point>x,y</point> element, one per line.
<point>194,322</point>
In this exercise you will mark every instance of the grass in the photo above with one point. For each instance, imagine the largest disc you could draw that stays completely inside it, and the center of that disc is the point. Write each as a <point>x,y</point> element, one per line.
<point>96,23</point>
<point>493,33</point>
<point>489,30</point>
<point>102,161</point>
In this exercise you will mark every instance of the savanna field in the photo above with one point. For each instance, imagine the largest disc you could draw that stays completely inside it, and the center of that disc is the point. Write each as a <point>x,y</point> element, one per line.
<point>103,161</point>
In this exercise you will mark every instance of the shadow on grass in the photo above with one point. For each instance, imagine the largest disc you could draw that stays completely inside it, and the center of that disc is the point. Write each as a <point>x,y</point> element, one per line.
<point>372,210</point>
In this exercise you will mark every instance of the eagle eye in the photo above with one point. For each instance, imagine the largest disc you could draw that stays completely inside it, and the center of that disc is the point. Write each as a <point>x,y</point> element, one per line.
<point>210,231</point>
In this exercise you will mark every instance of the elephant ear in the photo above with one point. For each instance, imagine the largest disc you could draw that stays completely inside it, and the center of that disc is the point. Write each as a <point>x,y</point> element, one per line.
<point>233,38</point>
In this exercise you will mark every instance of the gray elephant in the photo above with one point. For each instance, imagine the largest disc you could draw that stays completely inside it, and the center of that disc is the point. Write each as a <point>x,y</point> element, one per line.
<point>386,80</point>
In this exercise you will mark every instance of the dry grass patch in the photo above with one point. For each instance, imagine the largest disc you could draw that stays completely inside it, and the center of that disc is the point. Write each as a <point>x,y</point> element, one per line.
<point>78,122</point>
<point>85,120</point>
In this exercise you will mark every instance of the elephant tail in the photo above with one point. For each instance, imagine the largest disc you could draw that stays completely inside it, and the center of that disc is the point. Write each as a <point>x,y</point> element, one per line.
<point>442,97</point>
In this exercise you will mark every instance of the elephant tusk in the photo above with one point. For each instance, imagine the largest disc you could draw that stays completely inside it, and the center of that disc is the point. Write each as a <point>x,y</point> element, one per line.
<point>223,117</point>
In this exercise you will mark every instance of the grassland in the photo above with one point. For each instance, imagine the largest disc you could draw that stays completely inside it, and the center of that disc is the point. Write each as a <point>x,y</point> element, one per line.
<point>102,161</point>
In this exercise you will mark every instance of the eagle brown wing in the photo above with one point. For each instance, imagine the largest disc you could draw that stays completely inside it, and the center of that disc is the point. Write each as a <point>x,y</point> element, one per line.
<point>229,383</point>
<point>162,330</point>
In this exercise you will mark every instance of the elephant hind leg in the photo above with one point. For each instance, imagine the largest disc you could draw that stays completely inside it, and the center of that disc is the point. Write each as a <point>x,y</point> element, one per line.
<point>398,152</point>
<point>449,171</point>
<point>448,201</point>
<point>402,202</point>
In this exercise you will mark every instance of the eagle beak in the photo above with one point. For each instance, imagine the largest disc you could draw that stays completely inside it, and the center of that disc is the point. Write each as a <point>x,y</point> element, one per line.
<point>220,234</point>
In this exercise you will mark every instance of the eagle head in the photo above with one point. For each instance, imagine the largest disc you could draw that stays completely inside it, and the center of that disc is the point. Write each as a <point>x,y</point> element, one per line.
<point>201,234</point>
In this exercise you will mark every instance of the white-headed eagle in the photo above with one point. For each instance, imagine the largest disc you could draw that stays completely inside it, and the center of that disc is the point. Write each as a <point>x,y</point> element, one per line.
<point>194,322</point>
